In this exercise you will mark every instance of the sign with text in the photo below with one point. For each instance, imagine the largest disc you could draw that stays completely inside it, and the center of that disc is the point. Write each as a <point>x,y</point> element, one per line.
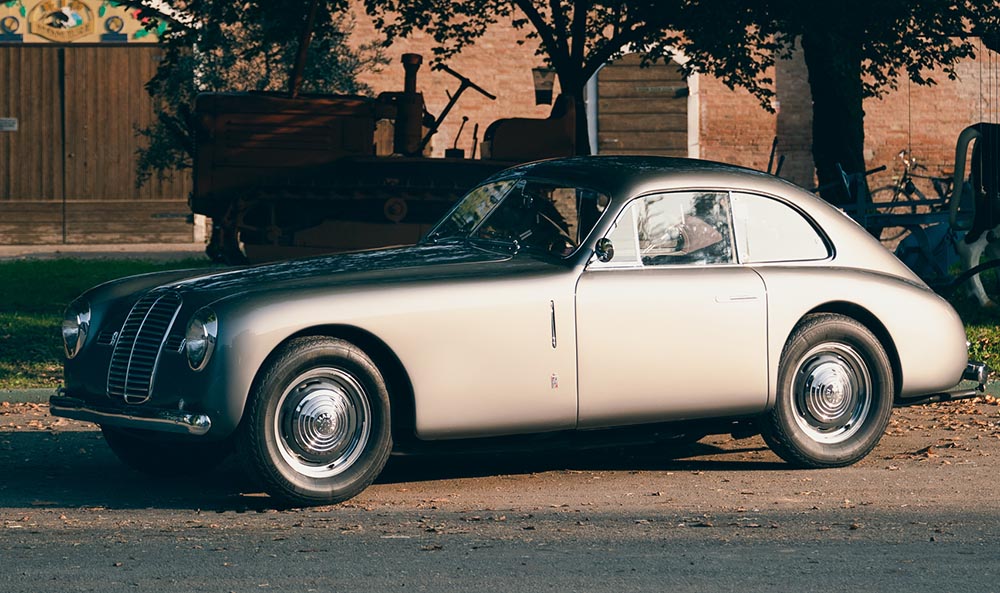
<point>8,124</point>
<point>77,21</point>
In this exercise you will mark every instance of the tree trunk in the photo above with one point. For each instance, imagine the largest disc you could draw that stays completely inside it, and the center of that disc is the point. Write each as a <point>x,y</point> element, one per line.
<point>834,62</point>
<point>582,129</point>
<point>571,84</point>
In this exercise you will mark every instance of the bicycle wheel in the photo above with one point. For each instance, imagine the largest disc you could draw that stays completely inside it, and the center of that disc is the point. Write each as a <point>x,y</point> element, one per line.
<point>890,194</point>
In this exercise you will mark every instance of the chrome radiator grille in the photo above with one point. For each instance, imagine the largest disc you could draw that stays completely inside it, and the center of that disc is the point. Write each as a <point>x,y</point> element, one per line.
<point>133,362</point>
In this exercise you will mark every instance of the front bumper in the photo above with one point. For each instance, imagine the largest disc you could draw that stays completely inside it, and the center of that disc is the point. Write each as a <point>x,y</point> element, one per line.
<point>173,421</point>
<point>975,371</point>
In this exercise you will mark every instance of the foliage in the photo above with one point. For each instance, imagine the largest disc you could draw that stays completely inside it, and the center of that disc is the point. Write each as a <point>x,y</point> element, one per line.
<point>575,37</point>
<point>889,37</point>
<point>853,49</point>
<point>244,46</point>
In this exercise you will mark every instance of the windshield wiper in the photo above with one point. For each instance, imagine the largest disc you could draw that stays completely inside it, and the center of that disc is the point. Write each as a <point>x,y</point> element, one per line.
<point>512,246</point>
<point>438,238</point>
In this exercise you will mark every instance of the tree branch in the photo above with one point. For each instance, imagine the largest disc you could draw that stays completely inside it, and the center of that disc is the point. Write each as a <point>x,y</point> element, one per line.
<point>557,52</point>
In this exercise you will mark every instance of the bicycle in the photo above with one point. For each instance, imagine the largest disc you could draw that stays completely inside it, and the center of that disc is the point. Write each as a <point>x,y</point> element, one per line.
<point>904,193</point>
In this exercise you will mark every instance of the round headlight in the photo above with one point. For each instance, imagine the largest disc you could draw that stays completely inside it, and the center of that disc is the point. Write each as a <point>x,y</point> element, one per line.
<point>199,339</point>
<point>75,325</point>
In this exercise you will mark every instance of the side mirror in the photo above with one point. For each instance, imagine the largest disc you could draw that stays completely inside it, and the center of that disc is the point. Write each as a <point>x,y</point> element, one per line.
<point>605,251</point>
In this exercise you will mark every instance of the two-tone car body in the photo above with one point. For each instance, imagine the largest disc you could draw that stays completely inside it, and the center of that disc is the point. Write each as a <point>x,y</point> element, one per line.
<point>559,297</point>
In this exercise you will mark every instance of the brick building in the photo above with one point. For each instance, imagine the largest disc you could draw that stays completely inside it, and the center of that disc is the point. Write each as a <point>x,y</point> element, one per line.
<point>67,174</point>
<point>719,124</point>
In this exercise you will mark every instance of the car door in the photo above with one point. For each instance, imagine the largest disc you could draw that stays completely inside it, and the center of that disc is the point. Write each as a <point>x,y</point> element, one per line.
<point>671,327</point>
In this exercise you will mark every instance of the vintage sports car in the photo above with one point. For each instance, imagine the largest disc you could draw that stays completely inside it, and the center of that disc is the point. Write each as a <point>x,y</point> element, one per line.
<point>563,299</point>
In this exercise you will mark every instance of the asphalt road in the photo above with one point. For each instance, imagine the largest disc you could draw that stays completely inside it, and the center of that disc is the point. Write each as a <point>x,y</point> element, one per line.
<point>919,514</point>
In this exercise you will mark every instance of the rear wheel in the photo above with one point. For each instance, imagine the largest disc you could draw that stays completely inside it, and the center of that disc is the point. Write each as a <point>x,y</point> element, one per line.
<point>835,394</point>
<point>317,428</point>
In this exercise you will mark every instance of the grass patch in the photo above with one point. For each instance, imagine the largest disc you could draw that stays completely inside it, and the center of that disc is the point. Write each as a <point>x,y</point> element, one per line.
<point>33,295</point>
<point>982,326</point>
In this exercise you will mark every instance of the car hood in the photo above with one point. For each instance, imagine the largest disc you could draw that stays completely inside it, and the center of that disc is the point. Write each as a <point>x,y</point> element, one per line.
<point>405,264</point>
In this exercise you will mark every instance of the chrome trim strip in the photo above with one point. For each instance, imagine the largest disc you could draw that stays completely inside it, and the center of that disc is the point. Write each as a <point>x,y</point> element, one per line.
<point>159,351</point>
<point>976,371</point>
<point>154,300</point>
<point>159,420</point>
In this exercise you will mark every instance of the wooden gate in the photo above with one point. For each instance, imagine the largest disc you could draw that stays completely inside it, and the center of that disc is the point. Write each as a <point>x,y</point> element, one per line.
<point>641,110</point>
<point>68,170</point>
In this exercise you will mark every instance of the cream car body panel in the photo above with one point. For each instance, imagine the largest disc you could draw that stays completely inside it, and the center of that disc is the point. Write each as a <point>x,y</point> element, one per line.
<point>654,340</point>
<point>901,308</point>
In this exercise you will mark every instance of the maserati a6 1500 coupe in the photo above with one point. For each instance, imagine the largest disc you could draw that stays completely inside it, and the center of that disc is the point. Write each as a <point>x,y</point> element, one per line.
<point>562,299</point>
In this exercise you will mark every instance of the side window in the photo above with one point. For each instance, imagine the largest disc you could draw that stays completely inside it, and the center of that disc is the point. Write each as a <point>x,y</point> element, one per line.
<point>768,230</point>
<point>685,228</point>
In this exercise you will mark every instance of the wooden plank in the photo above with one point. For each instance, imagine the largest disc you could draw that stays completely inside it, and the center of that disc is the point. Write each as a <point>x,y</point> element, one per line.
<point>676,152</point>
<point>640,141</point>
<point>661,74</point>
<point>646,122</point>
<point>142,66</point>
<point>642,110</point>
<point>30,223</point>
<point>631,90</point>
<point>28,212</point>
<point>106,102</point>
<point>629,68</point>
<point>126,210</point>
<point>30,165</point>
<point>91,238</point>
<point>37,235</point>
<point>128,221</point>
<point>608,105</point>
<point>103,203</point>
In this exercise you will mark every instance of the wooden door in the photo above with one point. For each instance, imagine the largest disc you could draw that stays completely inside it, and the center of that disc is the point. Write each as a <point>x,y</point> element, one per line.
<point>641,110</point>
<point>68,175</point>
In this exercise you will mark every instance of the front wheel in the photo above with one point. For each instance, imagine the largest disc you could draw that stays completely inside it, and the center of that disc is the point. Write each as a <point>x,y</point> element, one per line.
<point>835,394</point>
<point>317,429</point>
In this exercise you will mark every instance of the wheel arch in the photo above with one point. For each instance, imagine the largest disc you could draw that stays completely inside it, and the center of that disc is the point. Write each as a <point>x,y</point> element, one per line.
<point>870,321</point>
<point>397,379</point>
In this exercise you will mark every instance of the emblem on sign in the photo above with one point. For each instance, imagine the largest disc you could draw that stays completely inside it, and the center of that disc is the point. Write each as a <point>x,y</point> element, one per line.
<point>61,21</point>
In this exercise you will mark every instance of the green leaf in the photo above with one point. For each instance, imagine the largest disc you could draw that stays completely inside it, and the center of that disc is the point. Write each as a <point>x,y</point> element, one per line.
<point>10,3</point>
<point>161,28</point>
<point>102,10</point>
<point>23,11</point>
<point>140,34</point>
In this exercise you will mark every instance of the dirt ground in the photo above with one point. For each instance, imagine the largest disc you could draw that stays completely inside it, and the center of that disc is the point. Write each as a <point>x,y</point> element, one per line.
<point>920,513</point>
<point>954,447</point>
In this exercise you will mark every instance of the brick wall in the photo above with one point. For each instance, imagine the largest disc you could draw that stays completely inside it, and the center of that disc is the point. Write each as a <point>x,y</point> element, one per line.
<point>496,63</point>
<point>732,126</point>
<point>928,120</point>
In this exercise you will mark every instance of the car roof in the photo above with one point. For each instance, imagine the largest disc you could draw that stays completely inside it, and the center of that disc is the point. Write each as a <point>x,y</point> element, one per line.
<point>623,176</point>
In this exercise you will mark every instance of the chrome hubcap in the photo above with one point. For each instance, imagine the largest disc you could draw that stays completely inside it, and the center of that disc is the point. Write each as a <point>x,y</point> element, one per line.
<point>323,422</point>
<point>832,392</point>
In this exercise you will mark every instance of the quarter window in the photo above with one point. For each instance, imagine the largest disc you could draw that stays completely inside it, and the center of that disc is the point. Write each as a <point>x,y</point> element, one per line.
<point>768,230</point>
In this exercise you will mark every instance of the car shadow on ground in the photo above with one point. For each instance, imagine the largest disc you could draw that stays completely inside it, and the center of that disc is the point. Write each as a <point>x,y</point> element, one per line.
<point>76,469</point>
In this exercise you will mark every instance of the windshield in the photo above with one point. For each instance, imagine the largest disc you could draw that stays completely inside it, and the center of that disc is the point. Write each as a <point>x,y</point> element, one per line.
<point>540,216</point>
